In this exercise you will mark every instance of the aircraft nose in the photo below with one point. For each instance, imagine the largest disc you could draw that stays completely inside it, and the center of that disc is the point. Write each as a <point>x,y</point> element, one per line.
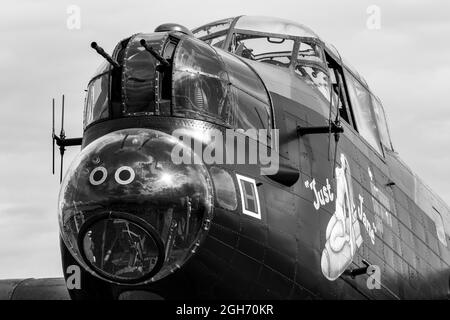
<point>128,213</point>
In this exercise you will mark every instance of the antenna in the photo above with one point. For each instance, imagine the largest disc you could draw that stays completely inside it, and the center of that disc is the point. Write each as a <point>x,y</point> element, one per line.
<point>53,135</point>
<point>61,140</point>
<point>62,136</point>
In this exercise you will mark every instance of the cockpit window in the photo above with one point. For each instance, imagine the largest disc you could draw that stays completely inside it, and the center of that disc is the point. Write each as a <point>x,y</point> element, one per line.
<point>216,41</point>
<point>276,51</point>
<point>315,77</point>
<point>213,27</point>
<point>310,52</point>
<point>362,107</point>
<point>274,26</point>
<point>382,123</point>
<point>310,67</point>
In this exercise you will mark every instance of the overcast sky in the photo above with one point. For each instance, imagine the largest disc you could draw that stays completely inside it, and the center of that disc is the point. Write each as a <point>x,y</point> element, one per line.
<point>406,63</point>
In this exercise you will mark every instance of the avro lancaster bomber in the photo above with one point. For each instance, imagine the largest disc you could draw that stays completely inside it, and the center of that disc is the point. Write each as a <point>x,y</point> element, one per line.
<point>341,217</point>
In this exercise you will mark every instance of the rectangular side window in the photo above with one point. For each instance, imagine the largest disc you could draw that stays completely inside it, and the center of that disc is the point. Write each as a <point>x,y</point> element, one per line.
<point>382,124</point>
<point>361,101</point>
<point>440,231</point>
<point>339,93</point>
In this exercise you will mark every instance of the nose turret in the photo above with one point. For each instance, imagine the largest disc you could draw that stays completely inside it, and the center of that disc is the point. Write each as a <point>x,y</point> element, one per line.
<point>127,213</point>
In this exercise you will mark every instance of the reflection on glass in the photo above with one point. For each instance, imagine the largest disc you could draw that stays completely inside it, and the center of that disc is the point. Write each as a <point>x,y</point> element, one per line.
<point>225,188</point>
<point>204,90</point>
<point>310,66</point>
<point>382,123</point>
<point>120,249</point>
<point>200,83</point>
<point>315,77</point>
<point>213,27</point>
<point>97,100</point>
<point>174,199</point>
<point>251,113</point>
<point>216,41</point>
<point>362,105</point>
<point>274,26</point>
<point>310,52</point>
<point>139,74</point>
<point>276,51</point>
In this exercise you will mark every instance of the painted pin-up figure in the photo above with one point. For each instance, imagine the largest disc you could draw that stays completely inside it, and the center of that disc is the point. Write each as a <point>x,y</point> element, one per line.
<point>343,234</point>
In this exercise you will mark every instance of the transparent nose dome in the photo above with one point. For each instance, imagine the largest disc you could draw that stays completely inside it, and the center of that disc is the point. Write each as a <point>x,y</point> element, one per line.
<point>127,213</point>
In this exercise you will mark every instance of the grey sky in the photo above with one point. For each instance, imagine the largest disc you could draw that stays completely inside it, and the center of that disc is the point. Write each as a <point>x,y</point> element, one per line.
<point>406,63</point>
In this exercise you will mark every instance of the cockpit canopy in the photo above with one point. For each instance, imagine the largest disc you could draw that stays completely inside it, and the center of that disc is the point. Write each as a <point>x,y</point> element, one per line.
<point>258,24</point>
<point>288,44</point>
<point>275,41</point>
<point>264,39</point>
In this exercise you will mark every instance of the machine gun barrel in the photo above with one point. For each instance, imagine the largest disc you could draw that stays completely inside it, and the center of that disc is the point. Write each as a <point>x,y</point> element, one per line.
<point>152,51</point>
<point>102,52</point>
